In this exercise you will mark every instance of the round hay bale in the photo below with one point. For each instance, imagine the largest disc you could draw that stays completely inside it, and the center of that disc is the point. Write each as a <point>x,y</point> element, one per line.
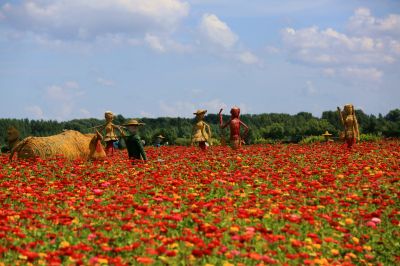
<point>69,144</point>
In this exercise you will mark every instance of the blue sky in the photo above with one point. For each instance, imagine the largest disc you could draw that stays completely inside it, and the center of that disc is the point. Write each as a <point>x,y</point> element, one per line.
<point>66,59</point>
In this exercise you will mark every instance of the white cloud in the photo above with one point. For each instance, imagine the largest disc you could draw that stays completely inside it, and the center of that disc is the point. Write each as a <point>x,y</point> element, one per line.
<point>272,49</point>
<point>84,113</point>
<point>310,88</point>
<point>222,41</point>
<point>364,23</point>
<point>163,44</point>
<point>362,53</point>
<point>196,92</point>
<point>87,20</point>
<point>361,45</point>
<point>314,46</point>
<point>105,82</point>
<point>71,85</point>
<point>330,72</point>
<point>154,43</point>
<point>146,114</point>
<point>357,74</point>
<point>213,106</point>
<point>217,32</point>
<point>67,92</point>
<point>176,109</point>
<point>366,74</point>
<point>35,111</point>
<point>248,58</point>
<point>61,99</point>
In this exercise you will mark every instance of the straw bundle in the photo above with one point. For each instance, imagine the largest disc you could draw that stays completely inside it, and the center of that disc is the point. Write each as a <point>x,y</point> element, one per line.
<point>70,144</point>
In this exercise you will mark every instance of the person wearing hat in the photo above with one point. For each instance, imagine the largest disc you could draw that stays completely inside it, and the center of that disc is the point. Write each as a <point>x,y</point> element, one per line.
<point>201,130</point>
<point>110,137</point>
<point>349,121</point>
<point>159,140</point>
<point>133,142</point>
<point>327,135</point>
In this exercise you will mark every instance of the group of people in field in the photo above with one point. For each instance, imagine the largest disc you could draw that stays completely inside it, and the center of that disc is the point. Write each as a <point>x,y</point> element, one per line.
<point>201,134</point>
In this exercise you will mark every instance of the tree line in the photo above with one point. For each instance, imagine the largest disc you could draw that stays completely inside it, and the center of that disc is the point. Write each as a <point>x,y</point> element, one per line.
<point>263,127</point>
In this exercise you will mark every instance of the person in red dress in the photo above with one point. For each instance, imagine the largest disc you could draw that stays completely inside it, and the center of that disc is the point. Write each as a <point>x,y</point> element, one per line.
<point>236,140</point>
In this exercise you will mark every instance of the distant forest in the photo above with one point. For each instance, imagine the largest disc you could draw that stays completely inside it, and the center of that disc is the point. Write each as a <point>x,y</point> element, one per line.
<point>263,127</point>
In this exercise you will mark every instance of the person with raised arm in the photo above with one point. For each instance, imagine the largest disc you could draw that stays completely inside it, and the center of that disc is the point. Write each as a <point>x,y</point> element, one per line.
<point>236,140</point>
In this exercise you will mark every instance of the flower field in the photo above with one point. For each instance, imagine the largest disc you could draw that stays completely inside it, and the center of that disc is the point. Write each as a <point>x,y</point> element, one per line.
<point>316,204</point>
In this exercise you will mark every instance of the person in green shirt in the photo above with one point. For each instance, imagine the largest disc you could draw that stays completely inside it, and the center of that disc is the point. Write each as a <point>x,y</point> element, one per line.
<point>133,142</point>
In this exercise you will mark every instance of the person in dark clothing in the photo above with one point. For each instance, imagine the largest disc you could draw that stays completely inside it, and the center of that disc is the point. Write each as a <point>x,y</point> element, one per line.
<point>159,140</point>
<point>133,142</point>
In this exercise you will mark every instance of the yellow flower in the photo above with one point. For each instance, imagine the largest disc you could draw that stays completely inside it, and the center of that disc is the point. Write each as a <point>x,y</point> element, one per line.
<point>227,264</point>
<point>317,246</point>
<point>102,261</point>
<point>368,248</point>
<point>355,240</point>
<point>349,221</point>
<point>234,228</point>
<point>22,257</point>
<point>175,245</point>
<point>334,252</point>
<point>192,258</point>
<point>189,244</point>
<point>321,261</point>
<point>351,255</point>
<point>64,244</point>
<point>164,259</point>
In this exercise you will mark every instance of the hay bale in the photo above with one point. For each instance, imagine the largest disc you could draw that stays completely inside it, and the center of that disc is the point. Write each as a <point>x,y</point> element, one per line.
<point>69,144</point>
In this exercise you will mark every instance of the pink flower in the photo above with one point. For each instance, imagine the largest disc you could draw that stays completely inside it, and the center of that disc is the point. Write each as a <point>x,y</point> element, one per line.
<point>91,236</point>
<point>97,191</point>
<point>250,229</point>
<point>376,220</point>
<point>105,184</point>
<point>371,224</point>
<point>235,252</point>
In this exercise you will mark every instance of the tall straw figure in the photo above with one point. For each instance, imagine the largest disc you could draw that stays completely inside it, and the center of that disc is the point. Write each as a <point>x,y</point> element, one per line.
<point>110,137</point>
<point>201,132</point>
<point>234,123</point>
<point>349,121</point>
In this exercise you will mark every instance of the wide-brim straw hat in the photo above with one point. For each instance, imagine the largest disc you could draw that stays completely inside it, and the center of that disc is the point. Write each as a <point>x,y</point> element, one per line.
<point>133,122</point>
<point>161,137</point>
<point>200,111</point>
<point>327,133</point>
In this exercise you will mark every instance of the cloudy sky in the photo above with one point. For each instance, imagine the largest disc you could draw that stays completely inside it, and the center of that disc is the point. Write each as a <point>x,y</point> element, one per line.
<point>66,59</point>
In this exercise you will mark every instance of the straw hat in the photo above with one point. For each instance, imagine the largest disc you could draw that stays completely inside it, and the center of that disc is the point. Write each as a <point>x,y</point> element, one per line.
<point>200,111</point>
<point>327,133</point>
<point>161,137</point>
<point>133,122</point>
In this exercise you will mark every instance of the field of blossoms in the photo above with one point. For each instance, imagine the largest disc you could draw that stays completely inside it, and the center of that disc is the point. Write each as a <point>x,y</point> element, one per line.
<point>292,204</point>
